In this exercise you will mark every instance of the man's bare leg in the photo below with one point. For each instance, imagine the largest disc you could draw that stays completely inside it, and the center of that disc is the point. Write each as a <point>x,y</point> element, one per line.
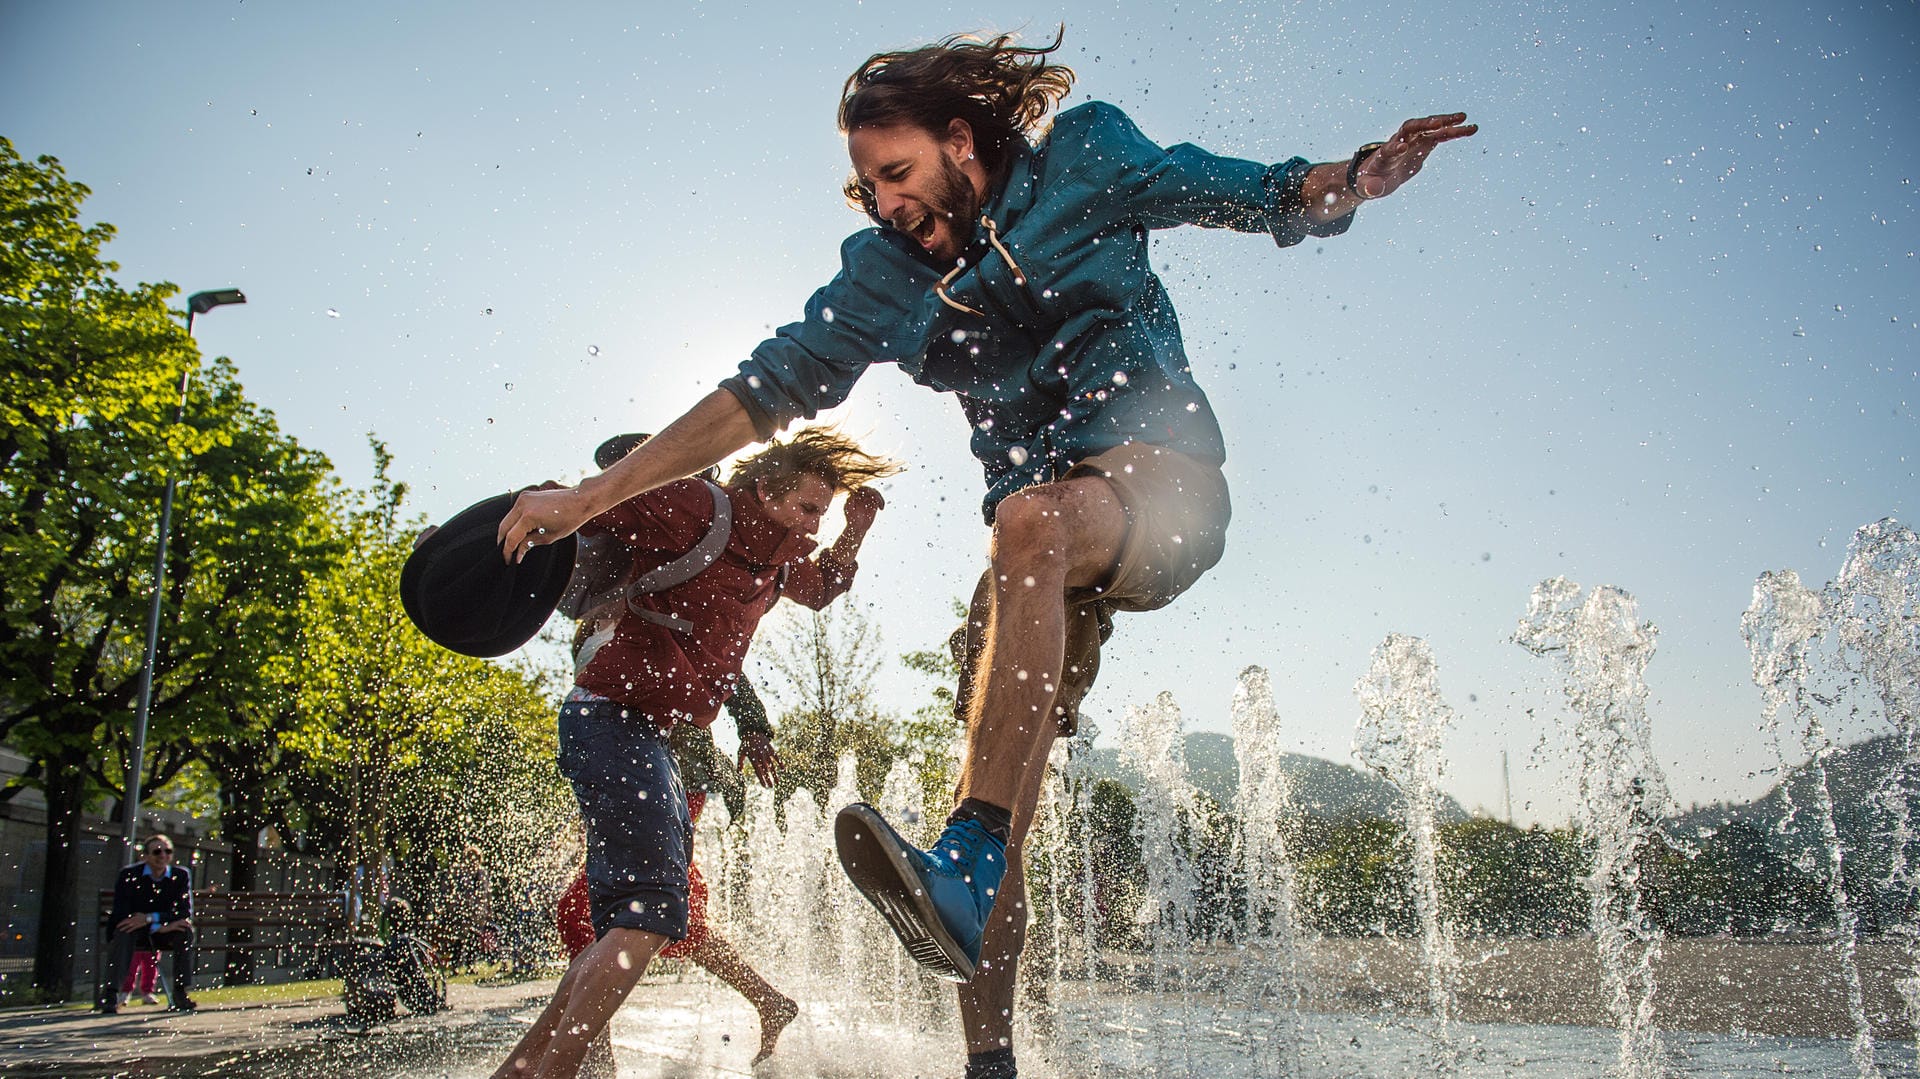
<point>598,1063</point>
<point>776,1009</point>
<point>986,1002</point>
<point>1046,540</point>
<point>591,991</point>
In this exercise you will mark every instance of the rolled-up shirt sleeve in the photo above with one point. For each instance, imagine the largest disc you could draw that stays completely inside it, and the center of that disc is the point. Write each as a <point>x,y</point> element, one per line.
<point>863,316</point>
<point>819,581</point>
<point>1186,185</point>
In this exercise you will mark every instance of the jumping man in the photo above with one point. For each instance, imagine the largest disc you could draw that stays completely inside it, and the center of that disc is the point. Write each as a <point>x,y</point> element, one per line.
<point>1008,266</point>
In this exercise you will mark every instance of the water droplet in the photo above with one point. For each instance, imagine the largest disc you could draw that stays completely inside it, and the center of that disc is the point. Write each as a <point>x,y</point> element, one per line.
<point>509,386</point>
<point>1017,454</point>
<point>489,419</point>
<point>333,312</point>
<point>593,350</point>
<point>488,311</point>
<point>959,337</point>
<point>1119,378</point>
<point>826,314</point>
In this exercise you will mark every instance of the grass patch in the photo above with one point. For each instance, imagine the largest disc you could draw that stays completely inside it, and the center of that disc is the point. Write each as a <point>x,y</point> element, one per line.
<point>237,996</point>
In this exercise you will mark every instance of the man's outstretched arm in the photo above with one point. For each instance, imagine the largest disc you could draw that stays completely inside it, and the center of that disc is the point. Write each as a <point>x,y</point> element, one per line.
<point>1326,193</point>
<point>712,429</point>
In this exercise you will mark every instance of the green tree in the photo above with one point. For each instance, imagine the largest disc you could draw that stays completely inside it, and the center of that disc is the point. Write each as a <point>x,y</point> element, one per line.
<point>1499,880</point>
<point>91,373</point>
<point>824,663</point>
<point>933,732</point>
<point>1357,881</point>
<point>386,719</point>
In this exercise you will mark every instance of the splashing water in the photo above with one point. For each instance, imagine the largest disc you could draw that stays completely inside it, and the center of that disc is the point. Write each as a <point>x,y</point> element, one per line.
<point>1153,744</point>
<point>1402,721</point>
<point>1622,791</point>
<point>1877,608</point>
<point>1273,985</point>
<point>1783,621</point>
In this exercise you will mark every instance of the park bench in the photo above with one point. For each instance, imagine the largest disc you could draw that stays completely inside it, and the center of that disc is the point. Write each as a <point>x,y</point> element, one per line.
<point>303,925</point>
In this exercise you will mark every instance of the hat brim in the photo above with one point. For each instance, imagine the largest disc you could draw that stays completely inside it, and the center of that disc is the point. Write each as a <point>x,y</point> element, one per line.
<point>460,592</point>
<point>614,449</point>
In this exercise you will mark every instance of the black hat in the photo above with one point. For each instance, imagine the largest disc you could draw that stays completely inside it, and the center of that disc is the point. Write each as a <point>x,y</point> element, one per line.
<point>464,597</point>
<point>615,448</point>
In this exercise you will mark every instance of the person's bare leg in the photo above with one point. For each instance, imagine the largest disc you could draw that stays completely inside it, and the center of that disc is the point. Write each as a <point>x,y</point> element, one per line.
<point>598,1063</point>
<point>776,1009</point>
<point>1046,540</point>
<point>986,1002</point>
<point>592,990</point>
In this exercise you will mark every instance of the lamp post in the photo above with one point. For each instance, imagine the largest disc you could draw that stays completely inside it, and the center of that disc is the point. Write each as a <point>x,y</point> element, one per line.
<point>197,304</point>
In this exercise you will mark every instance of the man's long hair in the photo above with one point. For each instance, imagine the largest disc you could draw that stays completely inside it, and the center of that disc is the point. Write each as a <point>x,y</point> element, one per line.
<point>1002,90</point>
<point>812,451</point>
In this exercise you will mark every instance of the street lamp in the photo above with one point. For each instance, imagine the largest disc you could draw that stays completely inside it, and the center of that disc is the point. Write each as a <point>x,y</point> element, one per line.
<point>197,304</point>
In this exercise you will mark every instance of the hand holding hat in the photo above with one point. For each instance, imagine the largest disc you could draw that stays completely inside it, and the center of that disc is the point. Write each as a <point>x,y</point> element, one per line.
<point>460,592</point>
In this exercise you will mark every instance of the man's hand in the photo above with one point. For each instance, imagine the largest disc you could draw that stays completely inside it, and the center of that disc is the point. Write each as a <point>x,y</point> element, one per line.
<point>542,515</point>
<point>1385,169</point>
<point>757,748</point>
<point>863,505</point>
<point>130,923</point>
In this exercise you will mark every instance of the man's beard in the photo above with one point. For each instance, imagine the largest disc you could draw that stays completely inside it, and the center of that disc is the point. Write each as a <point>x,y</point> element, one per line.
<point>955,200</point>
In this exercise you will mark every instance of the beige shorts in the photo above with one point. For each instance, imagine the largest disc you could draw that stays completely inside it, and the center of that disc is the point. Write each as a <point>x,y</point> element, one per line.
<point>1177,512</point>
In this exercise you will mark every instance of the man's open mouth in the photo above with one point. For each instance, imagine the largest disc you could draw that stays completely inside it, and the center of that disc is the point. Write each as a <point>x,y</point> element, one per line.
<point>920,228</point>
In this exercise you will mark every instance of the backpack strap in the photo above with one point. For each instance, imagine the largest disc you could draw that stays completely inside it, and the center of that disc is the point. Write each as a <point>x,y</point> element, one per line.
<point>686,567</point>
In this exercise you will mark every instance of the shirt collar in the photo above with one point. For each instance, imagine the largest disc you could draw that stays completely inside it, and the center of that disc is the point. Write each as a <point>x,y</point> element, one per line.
<point>1015,194</point>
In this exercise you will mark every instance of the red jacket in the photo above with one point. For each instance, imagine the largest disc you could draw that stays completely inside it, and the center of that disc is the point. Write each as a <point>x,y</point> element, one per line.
<point>671,676</point>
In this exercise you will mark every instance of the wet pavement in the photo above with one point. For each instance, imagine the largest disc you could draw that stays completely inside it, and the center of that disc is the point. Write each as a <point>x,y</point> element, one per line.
<point>256,1039</point>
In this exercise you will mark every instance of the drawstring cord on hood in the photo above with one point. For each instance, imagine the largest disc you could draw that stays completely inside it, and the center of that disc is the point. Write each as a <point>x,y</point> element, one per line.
<point>993,237</point>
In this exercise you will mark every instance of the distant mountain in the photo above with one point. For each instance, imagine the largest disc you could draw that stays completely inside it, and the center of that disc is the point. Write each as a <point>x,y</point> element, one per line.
<point>1858,778</point>
<point>1320,787</point>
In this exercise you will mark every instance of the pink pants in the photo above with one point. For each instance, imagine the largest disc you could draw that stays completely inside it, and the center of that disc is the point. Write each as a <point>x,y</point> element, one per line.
<point>144,975</point>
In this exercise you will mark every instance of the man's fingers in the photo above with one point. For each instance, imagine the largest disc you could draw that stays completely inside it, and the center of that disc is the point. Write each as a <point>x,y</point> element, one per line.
<point>1446,134</point>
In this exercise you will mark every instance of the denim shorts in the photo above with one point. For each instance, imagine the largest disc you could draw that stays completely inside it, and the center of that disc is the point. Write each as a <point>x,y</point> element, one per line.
<point>639,834</point>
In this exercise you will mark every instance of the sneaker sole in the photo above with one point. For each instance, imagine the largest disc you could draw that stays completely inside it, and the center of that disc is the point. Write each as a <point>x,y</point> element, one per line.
<point>877,860</point>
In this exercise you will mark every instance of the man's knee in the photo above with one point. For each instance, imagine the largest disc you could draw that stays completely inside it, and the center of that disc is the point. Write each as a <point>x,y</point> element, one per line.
<point>1030,530</point>
<point>1067,531</point>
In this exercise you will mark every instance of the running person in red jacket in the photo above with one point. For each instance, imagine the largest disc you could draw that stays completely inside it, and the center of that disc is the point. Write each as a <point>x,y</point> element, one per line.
<point>701,772</point>
<point>674,658</point>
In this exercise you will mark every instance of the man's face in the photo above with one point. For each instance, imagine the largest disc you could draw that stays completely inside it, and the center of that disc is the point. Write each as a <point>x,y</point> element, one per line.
<point>800,509</point>
<point>159,855</point>
<point>929,188</point>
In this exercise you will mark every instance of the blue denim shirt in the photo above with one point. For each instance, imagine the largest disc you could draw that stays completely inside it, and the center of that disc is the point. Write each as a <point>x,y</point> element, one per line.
<point>1075,351</point>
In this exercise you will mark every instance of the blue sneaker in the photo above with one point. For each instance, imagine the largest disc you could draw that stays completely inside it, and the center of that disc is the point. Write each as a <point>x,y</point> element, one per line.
<point>936,901</point>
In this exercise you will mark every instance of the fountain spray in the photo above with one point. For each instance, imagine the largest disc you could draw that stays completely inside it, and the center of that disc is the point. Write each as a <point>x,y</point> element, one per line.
<point>1272,983</point>
<point>1402,720</point>
<point>1785,618</point>
<point>1623,793</point>
<point>1877,601</point>
<point>1153,745</point>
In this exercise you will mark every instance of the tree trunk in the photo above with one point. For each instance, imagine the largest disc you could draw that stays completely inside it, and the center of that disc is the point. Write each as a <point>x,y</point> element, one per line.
<point>66,790</point>
<point>241,828</point>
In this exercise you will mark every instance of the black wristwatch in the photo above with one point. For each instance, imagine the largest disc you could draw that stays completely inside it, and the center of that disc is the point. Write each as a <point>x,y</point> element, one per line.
<point>1353,168</point>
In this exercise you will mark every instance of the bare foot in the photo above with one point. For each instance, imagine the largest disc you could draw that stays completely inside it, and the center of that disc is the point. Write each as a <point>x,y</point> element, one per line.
<point>774,1019</point>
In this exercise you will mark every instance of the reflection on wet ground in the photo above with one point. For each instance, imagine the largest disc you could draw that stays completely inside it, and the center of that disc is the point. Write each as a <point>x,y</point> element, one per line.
<point>691,1030</point>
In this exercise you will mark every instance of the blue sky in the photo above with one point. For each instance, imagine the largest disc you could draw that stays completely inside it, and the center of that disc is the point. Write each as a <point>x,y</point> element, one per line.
<point>1656,326</point>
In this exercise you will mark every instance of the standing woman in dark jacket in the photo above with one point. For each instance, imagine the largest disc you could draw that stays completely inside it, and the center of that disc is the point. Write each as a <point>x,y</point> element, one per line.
<point>153,911</point>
